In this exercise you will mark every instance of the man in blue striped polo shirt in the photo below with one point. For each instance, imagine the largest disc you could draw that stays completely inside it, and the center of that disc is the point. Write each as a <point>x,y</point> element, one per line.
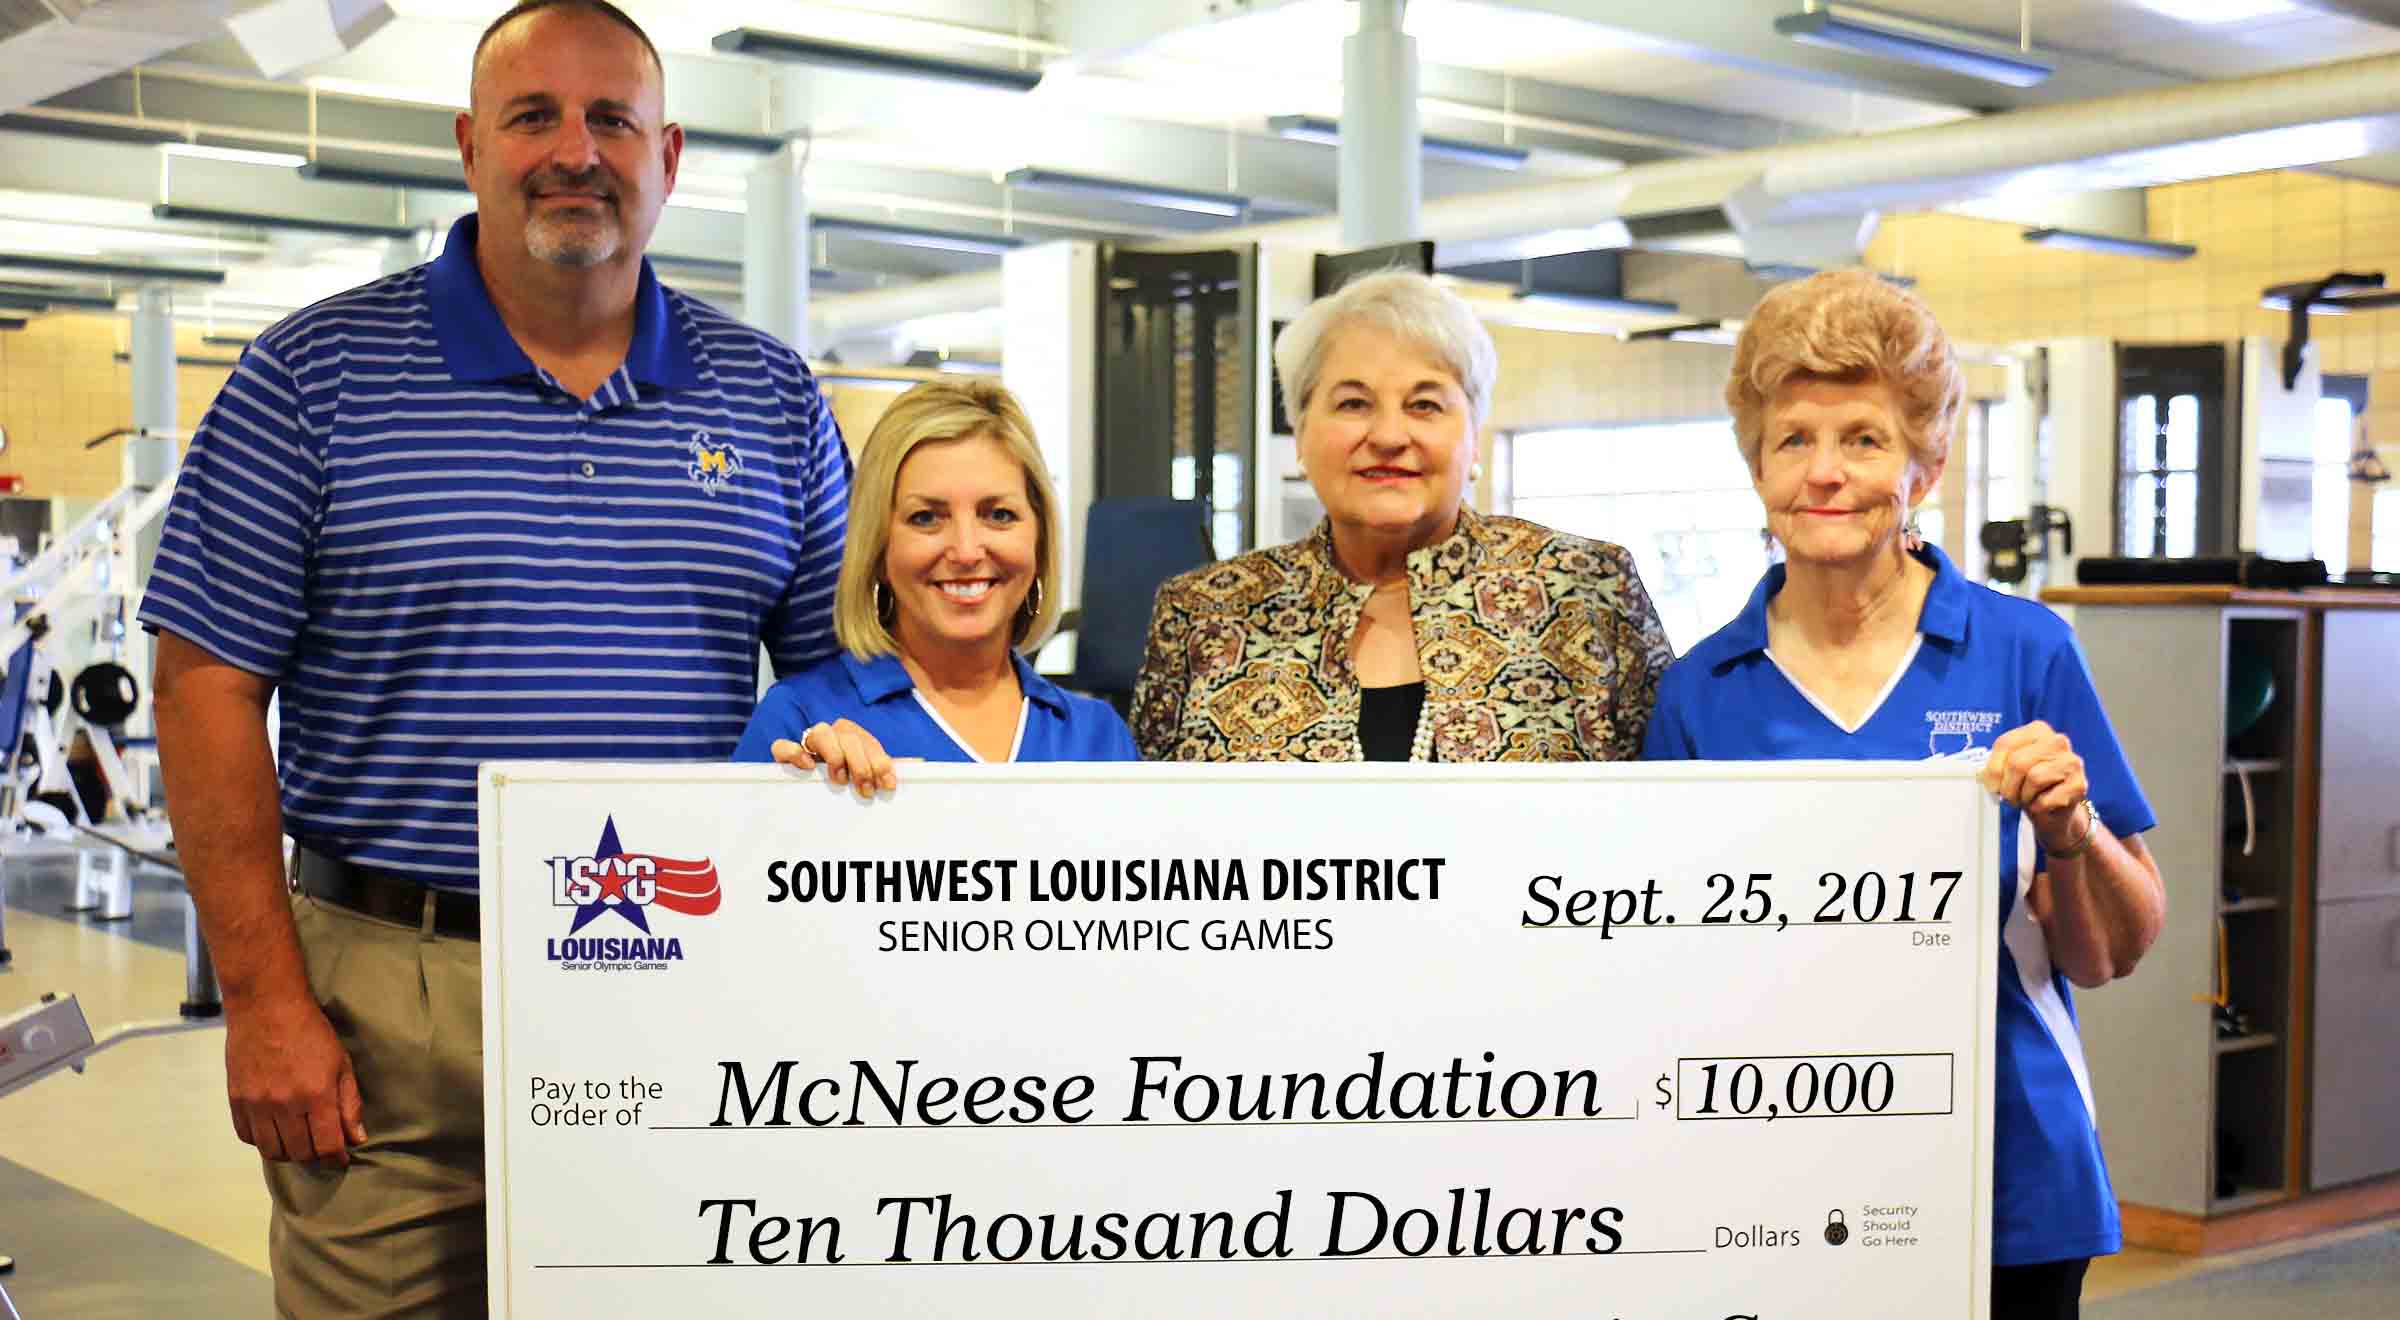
<point>523,501</point>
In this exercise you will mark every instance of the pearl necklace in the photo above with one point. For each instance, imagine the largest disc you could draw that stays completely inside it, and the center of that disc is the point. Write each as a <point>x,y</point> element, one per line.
<point>1420,747</point>
<point>1420,743</point>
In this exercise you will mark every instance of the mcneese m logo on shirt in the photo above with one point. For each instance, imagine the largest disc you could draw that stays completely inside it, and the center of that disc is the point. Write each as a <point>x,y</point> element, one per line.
<point>713,465</point>
<point>632,886</point>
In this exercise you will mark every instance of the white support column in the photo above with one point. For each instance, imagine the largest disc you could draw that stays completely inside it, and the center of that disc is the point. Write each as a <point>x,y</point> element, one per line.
<point>2082,474</point>
<point>775,248</point>
<point>2278,439</point>
<point>1050,359</point>
<point>1383,182</point>
<point>149,461</point>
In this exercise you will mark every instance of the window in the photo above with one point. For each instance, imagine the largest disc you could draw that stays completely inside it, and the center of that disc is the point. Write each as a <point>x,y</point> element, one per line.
<point>2006,493</point>
<point>2158,490</point>
<point>2345,397</point>
<point>2176,464</point>
<point>1677,495</point>
<point>1991,447</point>
<point>1228,496</point>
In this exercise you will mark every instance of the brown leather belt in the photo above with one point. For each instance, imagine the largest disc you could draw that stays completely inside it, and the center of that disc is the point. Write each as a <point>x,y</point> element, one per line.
<point>388,895</point>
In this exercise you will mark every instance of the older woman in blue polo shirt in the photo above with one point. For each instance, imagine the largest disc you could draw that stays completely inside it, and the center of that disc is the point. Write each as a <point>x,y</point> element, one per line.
<point>949,580</point>
<point>1867,644</point>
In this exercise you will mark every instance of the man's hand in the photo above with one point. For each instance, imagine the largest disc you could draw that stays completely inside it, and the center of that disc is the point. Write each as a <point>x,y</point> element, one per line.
<point>289,1083</point>
<point>287,1079</point>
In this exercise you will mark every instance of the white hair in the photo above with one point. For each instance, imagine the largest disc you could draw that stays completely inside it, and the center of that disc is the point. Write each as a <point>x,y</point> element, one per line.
<point>1403,303</point>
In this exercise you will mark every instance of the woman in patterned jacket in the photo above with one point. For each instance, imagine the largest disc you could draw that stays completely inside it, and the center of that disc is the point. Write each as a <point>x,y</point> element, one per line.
<point>1406,626</point>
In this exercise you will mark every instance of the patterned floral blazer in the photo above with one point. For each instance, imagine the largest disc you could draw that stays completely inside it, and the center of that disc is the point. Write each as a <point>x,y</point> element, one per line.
<point>1536,646</point>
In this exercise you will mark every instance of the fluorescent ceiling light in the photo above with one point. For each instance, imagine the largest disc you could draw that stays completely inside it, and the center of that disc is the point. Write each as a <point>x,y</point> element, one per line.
<point>1821,28</point>
<point>1328,132</point>
<point>189,360</point>
<point>941,240</point>
<point>378,91</point>
<point>709,202</point>
<point>263,220</point>
<point>90,238</point>
<point>717,264</point>
<point>1596,302</point>
<point>215,303</point>
<point>2083,240</point>
<point>18,295</point>
<point>38,122</point>
<point>23,240</point>
<point>1129,191</point>
<point>228,341</point>
<point>968,367</point>
<point>2216,11</point>
<point>324,173</point>
<point>718,139</point>
<point>115,270</point>
<point>786,48</point>
<point>892,383</point>
<point>283,159</point>
<point>1699,332</point>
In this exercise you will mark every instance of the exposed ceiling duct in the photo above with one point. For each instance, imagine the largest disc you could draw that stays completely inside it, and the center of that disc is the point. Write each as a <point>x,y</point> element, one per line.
<point>74,42</point>
<point>841,316</point>
<point>280,36</point>
<point>1823,190</point>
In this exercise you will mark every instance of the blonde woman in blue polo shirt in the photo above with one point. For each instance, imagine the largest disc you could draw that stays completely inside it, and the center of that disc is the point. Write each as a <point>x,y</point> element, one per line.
<point>949,581</point>
<point>1867,644</point>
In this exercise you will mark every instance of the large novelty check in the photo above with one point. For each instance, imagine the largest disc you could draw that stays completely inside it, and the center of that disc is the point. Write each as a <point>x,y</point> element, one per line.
<point>1634,1041</point>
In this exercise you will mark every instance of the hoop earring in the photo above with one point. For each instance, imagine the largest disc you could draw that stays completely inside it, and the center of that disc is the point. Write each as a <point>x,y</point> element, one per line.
<point>1032,608</point>
<point>884,608</point>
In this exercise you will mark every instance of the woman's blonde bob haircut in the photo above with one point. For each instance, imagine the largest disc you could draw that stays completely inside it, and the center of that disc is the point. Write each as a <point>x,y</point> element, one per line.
<point>932,413</point>
<point>1410,307</point>
<point>1851,326</point>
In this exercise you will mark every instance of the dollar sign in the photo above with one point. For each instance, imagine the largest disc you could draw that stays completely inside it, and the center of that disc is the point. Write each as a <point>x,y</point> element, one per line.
<point>1665,1096</point>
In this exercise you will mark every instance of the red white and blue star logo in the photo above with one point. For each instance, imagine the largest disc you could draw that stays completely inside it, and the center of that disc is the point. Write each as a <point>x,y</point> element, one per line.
<point>630,884</point>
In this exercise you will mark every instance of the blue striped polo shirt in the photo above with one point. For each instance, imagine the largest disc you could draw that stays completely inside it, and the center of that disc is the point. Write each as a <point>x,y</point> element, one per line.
<point>444,558</point>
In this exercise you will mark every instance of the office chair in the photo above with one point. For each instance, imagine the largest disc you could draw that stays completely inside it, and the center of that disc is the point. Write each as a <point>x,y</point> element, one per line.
<point>1130,547</point>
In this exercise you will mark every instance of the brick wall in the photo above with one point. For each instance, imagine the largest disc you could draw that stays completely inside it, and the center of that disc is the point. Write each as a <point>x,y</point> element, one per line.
<point>60,385</point>
<point>2255,230</point>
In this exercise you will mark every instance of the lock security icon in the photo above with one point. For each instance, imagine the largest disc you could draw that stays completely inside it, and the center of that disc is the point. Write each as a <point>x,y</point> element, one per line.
<point>1836,1232</point>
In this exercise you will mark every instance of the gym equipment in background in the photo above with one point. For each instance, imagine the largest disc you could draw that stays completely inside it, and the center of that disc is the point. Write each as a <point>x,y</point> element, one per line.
<point>2015,545</point>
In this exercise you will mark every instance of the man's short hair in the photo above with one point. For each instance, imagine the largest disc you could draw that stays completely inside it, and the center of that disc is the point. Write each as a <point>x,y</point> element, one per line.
<point>527,8</point>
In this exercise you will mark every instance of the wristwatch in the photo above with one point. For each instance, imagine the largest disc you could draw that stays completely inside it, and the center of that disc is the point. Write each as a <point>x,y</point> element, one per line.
<point>2083,841</point>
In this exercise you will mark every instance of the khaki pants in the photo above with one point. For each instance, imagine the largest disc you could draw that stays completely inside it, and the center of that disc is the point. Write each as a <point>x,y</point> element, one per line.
<point>399,1232</point>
